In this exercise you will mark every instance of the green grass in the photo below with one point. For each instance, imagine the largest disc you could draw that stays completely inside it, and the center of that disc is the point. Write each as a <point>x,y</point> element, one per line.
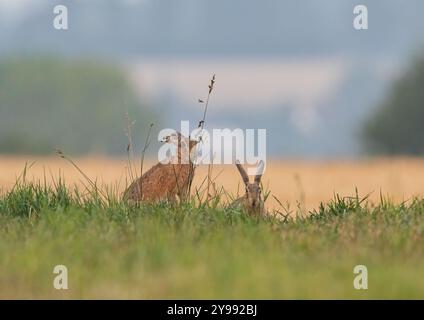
<point>113,250</point>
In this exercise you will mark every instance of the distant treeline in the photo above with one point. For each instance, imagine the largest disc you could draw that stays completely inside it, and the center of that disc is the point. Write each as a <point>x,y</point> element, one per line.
<point>79,106</point>
<point>397,125</point>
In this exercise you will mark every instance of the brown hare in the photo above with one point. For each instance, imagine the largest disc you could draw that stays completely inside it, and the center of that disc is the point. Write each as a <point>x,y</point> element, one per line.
<point>166,181</point>
<point>252,201</point>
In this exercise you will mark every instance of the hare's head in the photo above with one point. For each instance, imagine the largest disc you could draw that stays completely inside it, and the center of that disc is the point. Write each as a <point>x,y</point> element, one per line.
<point>253,196</point>
<point>183,144</point>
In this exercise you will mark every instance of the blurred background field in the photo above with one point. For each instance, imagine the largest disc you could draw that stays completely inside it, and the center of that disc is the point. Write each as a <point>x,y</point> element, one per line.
<point>322,89</point>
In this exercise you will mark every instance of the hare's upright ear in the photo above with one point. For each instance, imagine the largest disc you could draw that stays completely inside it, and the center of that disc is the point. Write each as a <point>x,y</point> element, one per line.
<point>242,173</point>
<point>259,171</point>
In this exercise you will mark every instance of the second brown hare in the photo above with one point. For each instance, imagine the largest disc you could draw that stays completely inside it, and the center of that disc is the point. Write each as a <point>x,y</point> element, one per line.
<point>252,201</point>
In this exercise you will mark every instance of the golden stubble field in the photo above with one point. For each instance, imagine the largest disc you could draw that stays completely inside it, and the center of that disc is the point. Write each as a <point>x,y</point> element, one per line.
<point>297,182</point>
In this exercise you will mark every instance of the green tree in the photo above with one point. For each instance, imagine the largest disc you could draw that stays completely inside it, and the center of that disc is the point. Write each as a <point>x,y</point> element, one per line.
<point>397,125</point>
<point>76,105</point>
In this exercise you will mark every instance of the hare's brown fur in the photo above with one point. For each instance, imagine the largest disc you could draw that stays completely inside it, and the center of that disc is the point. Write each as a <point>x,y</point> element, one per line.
<point>252,201</point>
<point>164,181</point>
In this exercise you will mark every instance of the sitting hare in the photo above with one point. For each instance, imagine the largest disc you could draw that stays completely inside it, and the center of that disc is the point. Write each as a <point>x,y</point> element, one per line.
<point>166,181</point>
<point>252,201</point>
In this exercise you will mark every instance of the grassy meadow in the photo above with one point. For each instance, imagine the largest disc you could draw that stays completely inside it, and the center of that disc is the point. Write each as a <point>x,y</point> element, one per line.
<point>296,183</point>
<point>204,250</point>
